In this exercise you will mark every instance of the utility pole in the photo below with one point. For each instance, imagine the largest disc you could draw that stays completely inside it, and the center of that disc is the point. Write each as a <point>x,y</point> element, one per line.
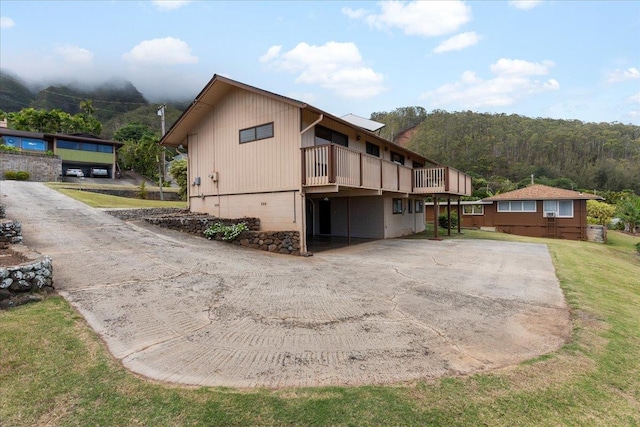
<point>162,158</point>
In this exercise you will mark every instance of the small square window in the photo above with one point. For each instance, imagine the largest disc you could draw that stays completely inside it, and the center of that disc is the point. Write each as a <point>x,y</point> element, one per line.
<point>419,206</point>
<point>397,206</point>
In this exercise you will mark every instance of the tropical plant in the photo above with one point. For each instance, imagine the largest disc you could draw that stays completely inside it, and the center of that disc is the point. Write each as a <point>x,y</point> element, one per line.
<point>142,192</point>
<point>53,121</point>
<point>599,213</point>
<point>443,220</point>
<point>629,213</point>
<point>178,170</point>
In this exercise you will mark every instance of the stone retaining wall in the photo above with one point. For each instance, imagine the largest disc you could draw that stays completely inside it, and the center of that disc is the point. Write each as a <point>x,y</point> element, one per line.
<point>129,214</point>
<point>40,166</point>
<point>198,223</point>
<point>284,242</point>
<point>17,283</point>
<point>10,232</point>
<point>3,213</point>
<point>133,193</point>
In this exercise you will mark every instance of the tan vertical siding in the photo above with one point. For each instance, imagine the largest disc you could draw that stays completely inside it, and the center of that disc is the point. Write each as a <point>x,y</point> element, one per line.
<point>271,164</point>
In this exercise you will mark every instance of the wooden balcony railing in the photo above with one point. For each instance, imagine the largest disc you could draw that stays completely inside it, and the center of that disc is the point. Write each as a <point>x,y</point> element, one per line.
<point>333,164</point>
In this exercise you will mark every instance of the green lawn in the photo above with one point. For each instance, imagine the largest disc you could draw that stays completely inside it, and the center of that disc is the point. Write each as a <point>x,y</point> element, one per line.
<point>98,200</point>
<point>55,371</point>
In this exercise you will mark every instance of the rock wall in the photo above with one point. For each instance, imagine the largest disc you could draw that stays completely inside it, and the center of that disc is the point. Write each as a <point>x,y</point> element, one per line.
<point>10,232</point>
<point>198,223</point>
<point>151,195</point>
<point>40,166</point>
<point>3,212</point>
<point>129,214</point>
<point>18,283</point>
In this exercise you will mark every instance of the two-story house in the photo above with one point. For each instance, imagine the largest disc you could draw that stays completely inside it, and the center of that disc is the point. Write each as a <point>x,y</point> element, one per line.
<point>254,153</point>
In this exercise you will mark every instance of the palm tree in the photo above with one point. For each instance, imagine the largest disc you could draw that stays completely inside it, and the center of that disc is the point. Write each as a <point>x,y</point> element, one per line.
<point>629,213</point>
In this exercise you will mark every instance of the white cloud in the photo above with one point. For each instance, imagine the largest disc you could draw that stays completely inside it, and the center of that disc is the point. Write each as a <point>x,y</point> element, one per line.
<point>458,42</point>
<point>166,51</point>
<point>272,53</point>
<point>512,81</point>
<point>354,13</point>
<point>519,67</point>
<point>617,76</point>
<point>170,4</point>
<point>74,54</point>
<point>335,66</point>
<point>525,4</point>
<point>422,18</point>
<point>6,22</point>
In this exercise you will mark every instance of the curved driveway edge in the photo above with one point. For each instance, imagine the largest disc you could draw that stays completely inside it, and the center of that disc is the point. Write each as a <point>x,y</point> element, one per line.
<point>179,308</point>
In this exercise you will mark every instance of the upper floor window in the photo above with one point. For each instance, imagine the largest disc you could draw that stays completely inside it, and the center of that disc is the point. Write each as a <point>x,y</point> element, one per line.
<point>517,206</point>
<point>373,149</point>
<point>84,146</point>
<point>328,136</point>
<point>257,132</point>
<point>560,208</point>
<point>397,158</point>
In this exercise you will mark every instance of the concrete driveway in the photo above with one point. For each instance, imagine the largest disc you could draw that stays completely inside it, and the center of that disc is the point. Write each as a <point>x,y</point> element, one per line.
<point>183,309</point>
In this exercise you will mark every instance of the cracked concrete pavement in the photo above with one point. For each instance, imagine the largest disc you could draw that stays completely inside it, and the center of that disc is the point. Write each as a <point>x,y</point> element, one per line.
<point>183,309</point>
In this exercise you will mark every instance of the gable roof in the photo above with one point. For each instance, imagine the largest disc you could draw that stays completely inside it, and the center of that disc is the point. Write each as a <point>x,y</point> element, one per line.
<point>219,86</point>
<point>542,192</point>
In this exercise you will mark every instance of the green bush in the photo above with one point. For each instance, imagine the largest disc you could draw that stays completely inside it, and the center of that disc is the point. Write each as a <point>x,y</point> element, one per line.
<point>178,170</point>
<point>10,174</point>
<point>9,148</point>
<point>443,221</point>
<point>142,191</point>
<point>228,232</point>
<point>638,247</point>
<point>22,175</point>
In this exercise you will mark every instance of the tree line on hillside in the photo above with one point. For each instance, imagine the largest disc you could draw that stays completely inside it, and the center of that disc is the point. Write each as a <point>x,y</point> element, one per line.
<point>503,151</point>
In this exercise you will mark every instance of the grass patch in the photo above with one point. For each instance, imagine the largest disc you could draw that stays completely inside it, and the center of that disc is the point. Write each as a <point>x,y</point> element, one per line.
<point>55,371</point>
<point>98,200</point>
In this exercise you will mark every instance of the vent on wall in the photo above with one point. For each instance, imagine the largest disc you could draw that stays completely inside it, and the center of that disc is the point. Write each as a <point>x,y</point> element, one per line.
<point>549,214</point>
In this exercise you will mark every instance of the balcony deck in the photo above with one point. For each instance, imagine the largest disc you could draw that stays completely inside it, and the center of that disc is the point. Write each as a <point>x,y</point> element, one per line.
<point>334,165</point>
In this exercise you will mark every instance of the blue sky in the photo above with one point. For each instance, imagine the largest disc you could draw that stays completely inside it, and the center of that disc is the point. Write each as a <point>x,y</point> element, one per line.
<point>558,59</point>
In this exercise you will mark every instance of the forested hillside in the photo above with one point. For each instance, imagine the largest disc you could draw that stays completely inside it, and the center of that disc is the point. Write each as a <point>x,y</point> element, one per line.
<point>603,156</point>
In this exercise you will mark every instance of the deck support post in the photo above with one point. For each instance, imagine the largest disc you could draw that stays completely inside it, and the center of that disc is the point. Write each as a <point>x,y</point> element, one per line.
<point>459,216</point>
<point>448,216</point>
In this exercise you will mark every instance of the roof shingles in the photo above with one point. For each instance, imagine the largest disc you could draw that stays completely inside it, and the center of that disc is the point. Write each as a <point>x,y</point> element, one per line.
<point>542,192</point>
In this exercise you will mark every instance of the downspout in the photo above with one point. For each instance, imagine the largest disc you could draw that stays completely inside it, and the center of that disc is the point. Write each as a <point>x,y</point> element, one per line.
<point>313,124</point>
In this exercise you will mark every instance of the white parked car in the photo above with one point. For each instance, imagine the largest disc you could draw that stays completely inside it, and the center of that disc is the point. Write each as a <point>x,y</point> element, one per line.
<point>75,172</point>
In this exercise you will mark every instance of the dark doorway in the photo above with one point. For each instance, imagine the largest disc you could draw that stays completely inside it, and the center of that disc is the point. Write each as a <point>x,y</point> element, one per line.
<point>324,214</point>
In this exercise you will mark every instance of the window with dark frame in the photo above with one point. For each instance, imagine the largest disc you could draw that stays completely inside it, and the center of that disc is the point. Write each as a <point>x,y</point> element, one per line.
<point>397,206</point>
<point>256,133</point>
<point>373,149</point>
<point>410,206</point>
<point>419,206</point>
<point>328,136</point>
<point>473,209</point>
<point>396,157</point>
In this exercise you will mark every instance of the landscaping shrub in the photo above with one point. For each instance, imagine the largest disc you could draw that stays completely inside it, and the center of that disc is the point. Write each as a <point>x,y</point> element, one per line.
<point>142,191</point>
<point>227,232</point>
<point>443,221</point>
<point>22,175</point>
<point>10,174</point>
<point>9,148</point>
